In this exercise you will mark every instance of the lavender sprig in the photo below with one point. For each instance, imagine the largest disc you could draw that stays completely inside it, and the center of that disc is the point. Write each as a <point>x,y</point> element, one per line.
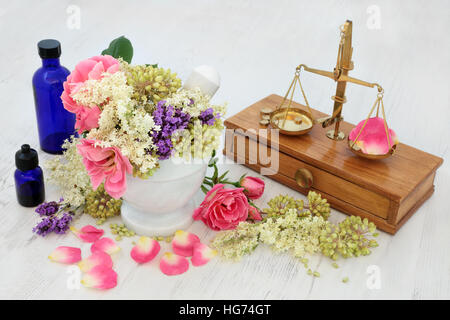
<point>169,120</point>
<point>207,117</point>
<point>56,218</point>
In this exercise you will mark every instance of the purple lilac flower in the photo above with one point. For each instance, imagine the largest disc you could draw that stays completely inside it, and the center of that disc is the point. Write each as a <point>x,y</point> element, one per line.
<point>169,119</point>
<point>207,117</point>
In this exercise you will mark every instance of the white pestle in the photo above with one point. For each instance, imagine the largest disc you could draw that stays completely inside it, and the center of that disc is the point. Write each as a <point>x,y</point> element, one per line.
<point>204,77</point>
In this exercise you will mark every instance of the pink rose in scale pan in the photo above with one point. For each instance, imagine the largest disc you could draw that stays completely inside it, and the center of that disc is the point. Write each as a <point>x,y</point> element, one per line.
<point>373,138</point>
<point>89,69</point>
<point>105,164</point>
<point>222,208</point>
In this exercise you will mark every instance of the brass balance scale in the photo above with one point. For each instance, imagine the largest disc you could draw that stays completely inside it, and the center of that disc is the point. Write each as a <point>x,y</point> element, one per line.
<point>295,121</point>
<point>386,192</point>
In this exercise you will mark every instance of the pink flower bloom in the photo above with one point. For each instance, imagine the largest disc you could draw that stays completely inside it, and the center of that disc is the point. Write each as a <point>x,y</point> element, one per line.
<point>372,139</point>
<point>222,208</point>
<point>105,164</point>
<point>89,69</point>
<point>253,187</point>
<point>87,118</point>
<point>253,213</point>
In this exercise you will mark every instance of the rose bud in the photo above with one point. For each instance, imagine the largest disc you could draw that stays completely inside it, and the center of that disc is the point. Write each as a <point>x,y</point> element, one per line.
<point>253,187</point>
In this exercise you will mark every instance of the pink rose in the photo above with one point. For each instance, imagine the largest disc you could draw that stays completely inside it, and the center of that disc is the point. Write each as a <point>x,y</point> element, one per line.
<point>89,69</point>
<point>105,164</point>
<point>253,187</point>
<point>253,213</point>
<point>87,118</point>
<point>222,208</point>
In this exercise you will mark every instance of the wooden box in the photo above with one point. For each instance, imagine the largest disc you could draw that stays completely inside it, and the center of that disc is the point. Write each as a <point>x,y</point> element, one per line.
<point>387,191</point>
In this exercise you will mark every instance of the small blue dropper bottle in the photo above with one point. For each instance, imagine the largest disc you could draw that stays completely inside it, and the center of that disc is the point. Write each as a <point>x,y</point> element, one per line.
<point>28,177</point>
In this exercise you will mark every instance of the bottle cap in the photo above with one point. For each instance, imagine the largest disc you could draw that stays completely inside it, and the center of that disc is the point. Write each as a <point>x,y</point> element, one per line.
<point>26,158</point>
<point>49,48</point>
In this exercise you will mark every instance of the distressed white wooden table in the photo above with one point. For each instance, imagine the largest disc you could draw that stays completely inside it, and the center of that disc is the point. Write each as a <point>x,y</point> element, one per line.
<point>255,45</point>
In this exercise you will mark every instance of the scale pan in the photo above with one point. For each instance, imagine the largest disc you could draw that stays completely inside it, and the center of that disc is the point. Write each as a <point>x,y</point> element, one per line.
<point>356,150</point>
<point>296,121</point>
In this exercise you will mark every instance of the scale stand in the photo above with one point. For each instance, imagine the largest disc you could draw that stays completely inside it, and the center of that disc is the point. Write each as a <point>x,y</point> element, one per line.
<point>340,74</point>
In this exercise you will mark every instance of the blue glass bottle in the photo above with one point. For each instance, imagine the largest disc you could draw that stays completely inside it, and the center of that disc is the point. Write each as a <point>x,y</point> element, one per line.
<point>55,124</point>
<point>28,177</point>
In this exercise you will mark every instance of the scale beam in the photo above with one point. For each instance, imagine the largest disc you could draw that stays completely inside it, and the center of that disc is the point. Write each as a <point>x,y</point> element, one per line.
<point>340,74</point>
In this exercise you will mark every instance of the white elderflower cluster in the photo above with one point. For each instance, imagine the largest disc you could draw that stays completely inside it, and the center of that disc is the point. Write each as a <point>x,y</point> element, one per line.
<point>112,89</point>
<point>234,244</point>
<point>67,171</point>
<point>301,229</point>
<point>289,232</point>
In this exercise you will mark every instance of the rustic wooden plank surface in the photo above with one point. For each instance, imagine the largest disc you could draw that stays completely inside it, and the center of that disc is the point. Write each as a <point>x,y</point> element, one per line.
<point>255,45</point>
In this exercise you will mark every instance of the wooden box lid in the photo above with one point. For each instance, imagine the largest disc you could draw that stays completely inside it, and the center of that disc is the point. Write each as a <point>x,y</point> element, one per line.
<point>395,177</point>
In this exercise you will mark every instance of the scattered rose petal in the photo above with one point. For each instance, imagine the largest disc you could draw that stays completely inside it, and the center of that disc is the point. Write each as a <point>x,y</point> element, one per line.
<point>183,243</point>
<point>202,254</point>
<point>88,233</point>
<point>100,277</point>
<point>106,245</point>
<point>96,259</point>
<point>66,255</point>
<point>145,250</point>
<point>172,264</point>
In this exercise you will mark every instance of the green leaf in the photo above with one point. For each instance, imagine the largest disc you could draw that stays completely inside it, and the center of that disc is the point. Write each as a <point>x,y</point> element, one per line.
<point>216,173</point>
<point>223,175</point>
<point>208,183</point>
<point>212,162</point>
<point>204,189</point>
<point>120,48</point>
<point>151,65</point>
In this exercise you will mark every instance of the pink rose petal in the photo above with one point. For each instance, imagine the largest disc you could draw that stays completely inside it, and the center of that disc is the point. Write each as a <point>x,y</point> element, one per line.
<point>373,139</point>
<point>100,277</point>
<point>145,250</point>
<point>202,254</point>
<point>105,245</point>
<point>66,255</point>
<point>96,259</point>
<point>183,243</point>
<point>88,233</point>
<point>172,264</point>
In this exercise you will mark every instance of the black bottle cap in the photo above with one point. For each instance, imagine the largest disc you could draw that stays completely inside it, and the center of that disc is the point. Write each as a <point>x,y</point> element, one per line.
<point>26,158</point>
<point>49,48</point>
